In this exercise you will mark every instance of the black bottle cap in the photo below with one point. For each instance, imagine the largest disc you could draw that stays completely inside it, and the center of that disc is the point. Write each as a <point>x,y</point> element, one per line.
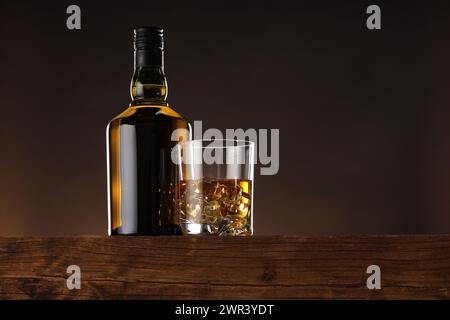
<point>148,38</point>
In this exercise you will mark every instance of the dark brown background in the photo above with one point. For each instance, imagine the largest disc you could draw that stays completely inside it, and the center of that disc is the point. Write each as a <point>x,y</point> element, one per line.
<point>363,115</point>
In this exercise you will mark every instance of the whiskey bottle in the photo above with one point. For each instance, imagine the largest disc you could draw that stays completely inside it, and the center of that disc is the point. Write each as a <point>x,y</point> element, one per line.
<point>141,175</point>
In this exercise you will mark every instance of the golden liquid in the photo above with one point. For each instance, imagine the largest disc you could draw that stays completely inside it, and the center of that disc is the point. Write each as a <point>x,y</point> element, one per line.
<point>216,206</point>
<point>141,173</point>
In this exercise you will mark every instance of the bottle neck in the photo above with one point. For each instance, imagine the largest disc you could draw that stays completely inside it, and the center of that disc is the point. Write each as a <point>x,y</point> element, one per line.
<point>149,83</point>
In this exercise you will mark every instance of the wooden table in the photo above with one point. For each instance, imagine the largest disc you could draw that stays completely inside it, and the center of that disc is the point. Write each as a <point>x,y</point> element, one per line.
<point>260,267</point>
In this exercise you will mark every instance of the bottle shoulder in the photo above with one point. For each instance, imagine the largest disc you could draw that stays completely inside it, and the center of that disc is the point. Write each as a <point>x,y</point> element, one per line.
<point>148,112</point>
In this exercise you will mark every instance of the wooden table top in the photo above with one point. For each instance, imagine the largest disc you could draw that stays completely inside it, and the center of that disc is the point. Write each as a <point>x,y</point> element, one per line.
<point>258,267</point>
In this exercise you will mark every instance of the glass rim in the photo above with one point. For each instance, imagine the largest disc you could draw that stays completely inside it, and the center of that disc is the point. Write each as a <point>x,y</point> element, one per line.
<point>241,143</point>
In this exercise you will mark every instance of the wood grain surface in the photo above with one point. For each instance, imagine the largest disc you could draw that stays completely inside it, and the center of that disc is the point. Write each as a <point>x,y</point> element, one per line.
<point>260,267</point>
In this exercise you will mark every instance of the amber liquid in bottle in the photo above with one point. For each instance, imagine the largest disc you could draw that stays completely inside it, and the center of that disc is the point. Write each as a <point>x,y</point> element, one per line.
<point>141,174</point>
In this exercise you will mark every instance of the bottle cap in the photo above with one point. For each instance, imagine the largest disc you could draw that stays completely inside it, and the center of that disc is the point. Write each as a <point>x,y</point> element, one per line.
<point>148,38</point>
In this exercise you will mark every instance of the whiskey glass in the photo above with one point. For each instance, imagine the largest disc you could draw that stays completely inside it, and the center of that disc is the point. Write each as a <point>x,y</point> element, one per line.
<point>215,189</point>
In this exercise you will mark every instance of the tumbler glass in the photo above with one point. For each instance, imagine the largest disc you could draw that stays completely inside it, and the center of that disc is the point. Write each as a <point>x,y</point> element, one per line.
<point>215,188</point>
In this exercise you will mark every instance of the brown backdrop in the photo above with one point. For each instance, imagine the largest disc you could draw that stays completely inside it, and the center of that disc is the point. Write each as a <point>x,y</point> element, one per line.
<point>363,115</point>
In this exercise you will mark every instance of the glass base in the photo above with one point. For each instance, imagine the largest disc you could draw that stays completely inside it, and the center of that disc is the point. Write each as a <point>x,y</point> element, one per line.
<point>227,228</point>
